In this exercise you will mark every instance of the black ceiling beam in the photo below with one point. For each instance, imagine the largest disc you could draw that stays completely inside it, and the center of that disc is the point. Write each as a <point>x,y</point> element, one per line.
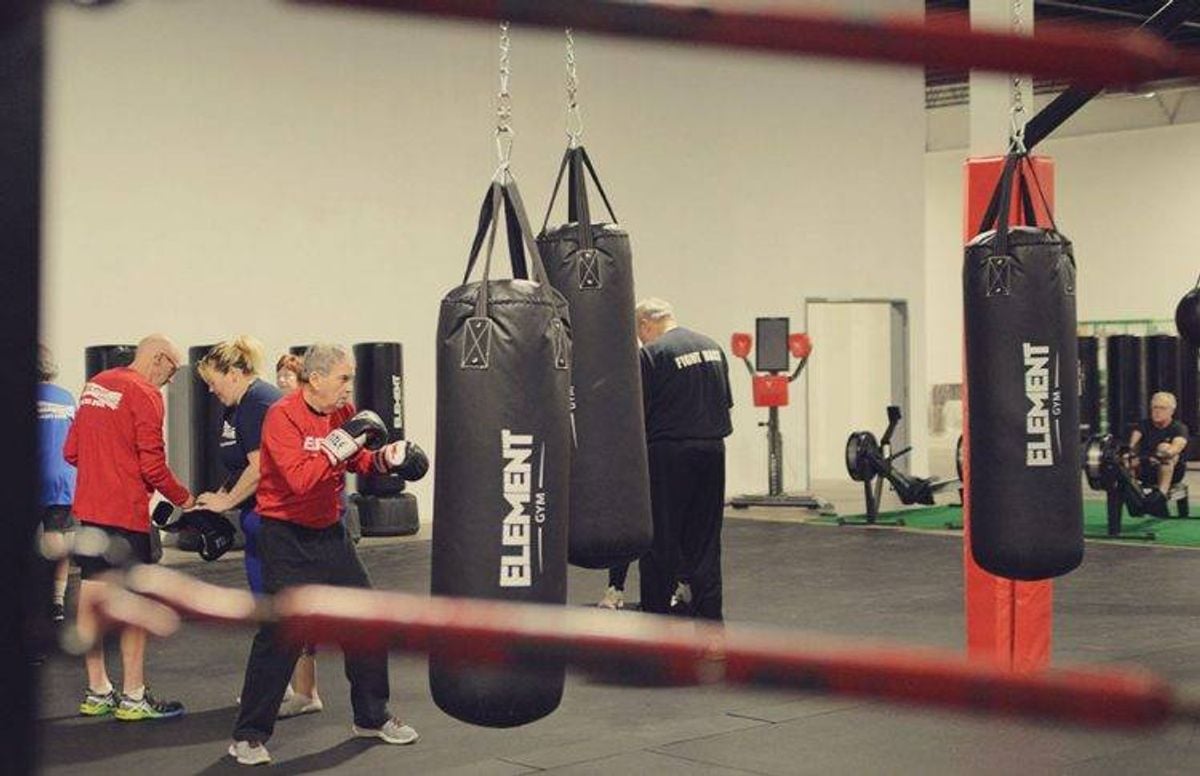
<point>1173,15</point>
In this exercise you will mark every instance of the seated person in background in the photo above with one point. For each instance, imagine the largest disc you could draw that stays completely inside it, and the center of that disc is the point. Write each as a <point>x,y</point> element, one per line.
<point>1156,446</point>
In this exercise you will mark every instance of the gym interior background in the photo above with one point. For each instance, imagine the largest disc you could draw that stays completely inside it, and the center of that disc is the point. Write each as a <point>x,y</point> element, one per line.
<point>219,166</point>
<point>241,166</point>
<point>225,166</point>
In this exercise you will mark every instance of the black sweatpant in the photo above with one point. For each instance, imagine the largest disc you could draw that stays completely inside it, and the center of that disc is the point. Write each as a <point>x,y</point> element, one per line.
<point>617,576</point>
<point>293,555</point>
<point>687,501</point>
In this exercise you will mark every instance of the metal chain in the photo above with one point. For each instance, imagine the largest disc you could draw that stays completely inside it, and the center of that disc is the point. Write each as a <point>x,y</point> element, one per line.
<point>1017,111</point>
<point>504,130</point>
<point>574,117</point>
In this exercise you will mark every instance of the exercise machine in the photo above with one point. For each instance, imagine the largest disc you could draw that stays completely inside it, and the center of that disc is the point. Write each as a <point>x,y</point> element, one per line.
<point>770,379</point>
<point>1106,468</point>
<point>871,461</point>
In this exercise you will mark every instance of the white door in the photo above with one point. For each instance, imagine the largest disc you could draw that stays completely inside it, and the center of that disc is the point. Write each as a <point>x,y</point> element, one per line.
<point>849,379</point>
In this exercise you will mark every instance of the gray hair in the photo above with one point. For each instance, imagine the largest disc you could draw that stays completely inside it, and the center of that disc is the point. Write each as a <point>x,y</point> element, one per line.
<point>47,370</point>
<point>321,358</point>
<point>653,309</point>
<point>1165,396</point>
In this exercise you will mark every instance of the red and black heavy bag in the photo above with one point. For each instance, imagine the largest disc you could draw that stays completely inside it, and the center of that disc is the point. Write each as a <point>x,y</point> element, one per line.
<point>592,266</point>
<point>1022,391</point>
<point>503,462</point>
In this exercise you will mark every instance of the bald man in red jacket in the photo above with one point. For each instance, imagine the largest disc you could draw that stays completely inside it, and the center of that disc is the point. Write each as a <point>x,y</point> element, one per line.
<point>116,443</point>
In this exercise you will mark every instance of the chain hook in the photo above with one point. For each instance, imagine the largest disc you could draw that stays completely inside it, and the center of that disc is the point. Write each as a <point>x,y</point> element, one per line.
<point>1017,111</point>
<point>574,116</point>
<point>504,129</point>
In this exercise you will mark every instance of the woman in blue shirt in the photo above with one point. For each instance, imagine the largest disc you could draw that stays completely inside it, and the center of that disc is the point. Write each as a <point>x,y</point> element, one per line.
<point>231,369</point>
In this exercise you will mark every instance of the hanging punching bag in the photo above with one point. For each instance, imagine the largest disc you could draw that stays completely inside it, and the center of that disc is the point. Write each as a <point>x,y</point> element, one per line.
<point>1187,317</point>
<point>591,265</point>
<point>502,470</point>
<point>1022,390</point>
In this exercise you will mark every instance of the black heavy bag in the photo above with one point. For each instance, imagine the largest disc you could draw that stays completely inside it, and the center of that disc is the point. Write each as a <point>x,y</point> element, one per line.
<point>1162,364</point>
<point>1189,402</point>
<point>503,464</point>
<point>1187,317</point>
<point>1089,387</point>
<point>1126,391</point>
<point>207,416</point>
<point>591,265</point>
<point>1022,393</point>
<point>97,358</point>
<point>381,506</point>
<point>379,386</point>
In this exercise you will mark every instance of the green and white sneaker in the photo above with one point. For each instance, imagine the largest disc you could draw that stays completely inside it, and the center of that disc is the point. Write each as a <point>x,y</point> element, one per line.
<point>148,707</point>
<point>97,704</point>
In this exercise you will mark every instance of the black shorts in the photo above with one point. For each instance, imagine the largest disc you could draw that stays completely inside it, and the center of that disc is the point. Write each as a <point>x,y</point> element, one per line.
<point>125,548</point>
<point>1148,471</point>
<point>57,517</point>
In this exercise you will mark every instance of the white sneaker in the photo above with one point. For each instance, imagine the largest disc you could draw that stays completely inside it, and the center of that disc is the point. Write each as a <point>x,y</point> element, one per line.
<point>613,599</point>
<point>393,732</point>
<point>297,703</point>
<point>249,753</point>
<point>681,600</point>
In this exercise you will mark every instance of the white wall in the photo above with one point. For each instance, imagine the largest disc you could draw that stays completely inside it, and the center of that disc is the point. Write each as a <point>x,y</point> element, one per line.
<point>220,166</point>
<point>1130,202</point>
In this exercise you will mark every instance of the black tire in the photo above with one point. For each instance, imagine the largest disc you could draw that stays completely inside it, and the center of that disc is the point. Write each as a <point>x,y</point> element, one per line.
<point>860,447</point>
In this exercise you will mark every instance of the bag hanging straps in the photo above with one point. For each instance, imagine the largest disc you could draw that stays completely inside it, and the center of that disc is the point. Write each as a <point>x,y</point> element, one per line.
<point>997,266</point>
<point>1041,193</point>
<point>516,212</point>
<point>993,209</point>
<point>572,209</point>
<point>578,210</point>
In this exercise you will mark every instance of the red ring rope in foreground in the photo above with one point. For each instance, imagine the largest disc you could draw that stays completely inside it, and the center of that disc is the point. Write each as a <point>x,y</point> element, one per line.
<point>668,648</point>
<point>1094,57</point>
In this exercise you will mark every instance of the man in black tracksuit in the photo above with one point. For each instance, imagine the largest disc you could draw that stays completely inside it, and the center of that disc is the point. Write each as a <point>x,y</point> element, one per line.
<point>685,388</point>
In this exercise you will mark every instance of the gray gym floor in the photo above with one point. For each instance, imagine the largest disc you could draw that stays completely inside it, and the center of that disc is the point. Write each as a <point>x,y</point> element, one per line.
<point>1126,604</point>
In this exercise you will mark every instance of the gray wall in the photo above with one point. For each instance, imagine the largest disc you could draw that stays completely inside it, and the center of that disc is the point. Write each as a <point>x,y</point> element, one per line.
<point>225,166</point>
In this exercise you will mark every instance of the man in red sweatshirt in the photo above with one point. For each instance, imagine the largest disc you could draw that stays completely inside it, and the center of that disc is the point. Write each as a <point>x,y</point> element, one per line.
<point>309,440</point>
<point>116,444</point>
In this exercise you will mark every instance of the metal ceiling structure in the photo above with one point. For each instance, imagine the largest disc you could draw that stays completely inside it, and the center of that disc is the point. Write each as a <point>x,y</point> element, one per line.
<point>947,87</point>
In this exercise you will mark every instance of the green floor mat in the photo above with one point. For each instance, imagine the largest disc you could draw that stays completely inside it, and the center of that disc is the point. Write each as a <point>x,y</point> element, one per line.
<point>1172,532</point>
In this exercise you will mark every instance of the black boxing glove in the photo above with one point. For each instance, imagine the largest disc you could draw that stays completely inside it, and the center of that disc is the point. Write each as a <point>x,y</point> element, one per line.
<point>403,458</point>
<point>366,429</point>
<point>167,517</point>
<point>216,533</point>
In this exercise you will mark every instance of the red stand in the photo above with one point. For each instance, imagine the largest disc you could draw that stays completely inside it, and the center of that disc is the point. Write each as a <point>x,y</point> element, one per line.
<point>1009,623</point>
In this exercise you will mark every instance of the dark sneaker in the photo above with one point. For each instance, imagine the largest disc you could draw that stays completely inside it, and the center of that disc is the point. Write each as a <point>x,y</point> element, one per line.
<point>148,707</point>
<point>99,704</point>
<point>57,613</point>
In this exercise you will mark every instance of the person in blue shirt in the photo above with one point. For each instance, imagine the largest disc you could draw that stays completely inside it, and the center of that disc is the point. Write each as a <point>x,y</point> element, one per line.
<point>56,490</point>
<point>231,371</point>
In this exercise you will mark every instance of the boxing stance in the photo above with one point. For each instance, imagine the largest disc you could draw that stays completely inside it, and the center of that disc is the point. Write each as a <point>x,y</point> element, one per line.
<point>309,440</point>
